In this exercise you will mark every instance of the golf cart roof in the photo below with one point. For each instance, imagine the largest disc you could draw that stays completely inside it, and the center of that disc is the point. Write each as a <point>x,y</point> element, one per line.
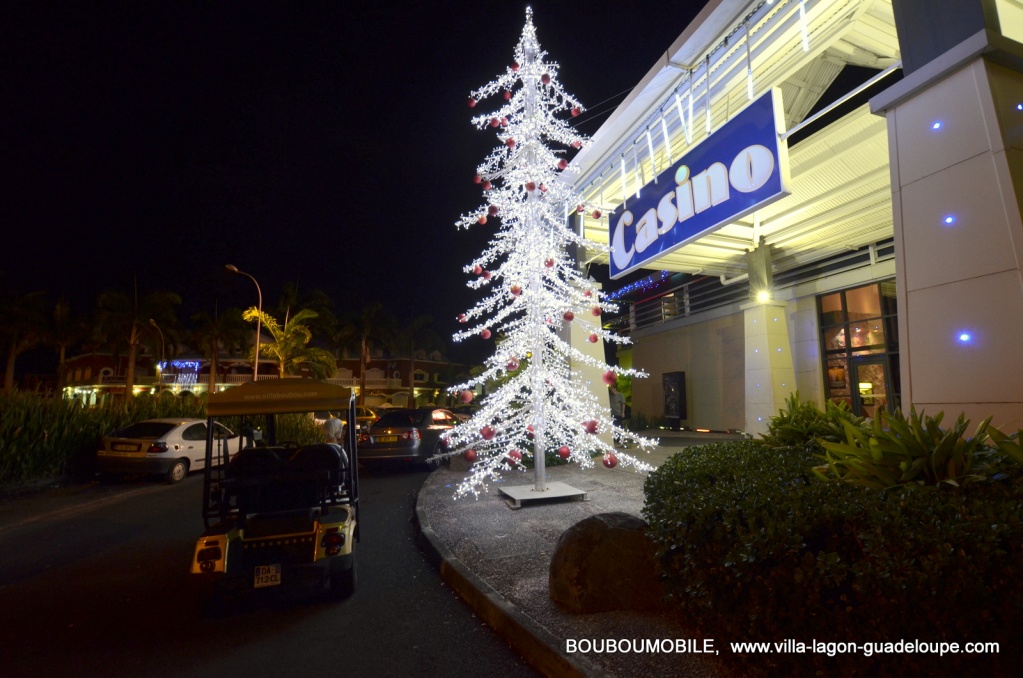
<point>278,396</point>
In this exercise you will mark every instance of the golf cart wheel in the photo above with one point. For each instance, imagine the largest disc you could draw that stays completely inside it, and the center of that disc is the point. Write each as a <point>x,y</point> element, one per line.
<point>342,584</point>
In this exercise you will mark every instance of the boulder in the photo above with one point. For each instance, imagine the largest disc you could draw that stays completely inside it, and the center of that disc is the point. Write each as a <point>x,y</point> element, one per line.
<point>603,563</point>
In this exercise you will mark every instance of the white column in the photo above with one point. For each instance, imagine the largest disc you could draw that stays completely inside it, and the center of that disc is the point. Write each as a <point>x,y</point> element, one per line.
<point>770,377</point>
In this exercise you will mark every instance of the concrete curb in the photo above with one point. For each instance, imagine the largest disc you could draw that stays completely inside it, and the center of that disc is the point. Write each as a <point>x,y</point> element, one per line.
<point>537,645</point>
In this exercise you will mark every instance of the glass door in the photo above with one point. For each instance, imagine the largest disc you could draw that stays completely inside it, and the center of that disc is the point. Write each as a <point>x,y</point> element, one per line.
<point>870,383</point>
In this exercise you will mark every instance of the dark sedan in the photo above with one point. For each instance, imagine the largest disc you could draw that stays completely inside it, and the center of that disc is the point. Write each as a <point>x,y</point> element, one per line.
<point>406,435</point>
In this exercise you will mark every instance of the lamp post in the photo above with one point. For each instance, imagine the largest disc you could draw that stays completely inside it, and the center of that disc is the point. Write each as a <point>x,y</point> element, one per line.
<point>231,268</point>
<point>163,357</point>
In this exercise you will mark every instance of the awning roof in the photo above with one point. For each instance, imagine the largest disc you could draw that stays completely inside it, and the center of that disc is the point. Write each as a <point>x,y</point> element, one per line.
<point>278,396</point>
<point>841,191</point>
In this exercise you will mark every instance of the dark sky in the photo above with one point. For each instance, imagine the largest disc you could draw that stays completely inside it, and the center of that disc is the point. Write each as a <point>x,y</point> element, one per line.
<point>324,143</point>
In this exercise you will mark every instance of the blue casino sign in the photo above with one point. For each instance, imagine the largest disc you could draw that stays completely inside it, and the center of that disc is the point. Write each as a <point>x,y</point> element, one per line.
<point>741,167</point>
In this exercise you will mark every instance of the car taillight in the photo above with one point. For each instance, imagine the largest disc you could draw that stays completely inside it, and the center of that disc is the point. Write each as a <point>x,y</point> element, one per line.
<point>414,434</point>
<point>157,448</point>
<point>363,437</point>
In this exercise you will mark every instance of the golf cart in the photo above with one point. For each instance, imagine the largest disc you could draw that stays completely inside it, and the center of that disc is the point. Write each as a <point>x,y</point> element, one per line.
<point>278,515</point>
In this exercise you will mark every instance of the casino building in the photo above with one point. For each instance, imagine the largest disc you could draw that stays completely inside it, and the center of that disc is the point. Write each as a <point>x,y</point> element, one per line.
<point>822,196</point>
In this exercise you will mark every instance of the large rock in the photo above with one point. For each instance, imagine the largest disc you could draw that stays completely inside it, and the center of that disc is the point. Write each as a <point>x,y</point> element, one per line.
<point>605,563</point>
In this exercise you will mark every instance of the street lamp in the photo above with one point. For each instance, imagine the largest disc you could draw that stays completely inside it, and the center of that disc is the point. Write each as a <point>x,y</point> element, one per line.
<point>163,357</point>
<point>231,268</point>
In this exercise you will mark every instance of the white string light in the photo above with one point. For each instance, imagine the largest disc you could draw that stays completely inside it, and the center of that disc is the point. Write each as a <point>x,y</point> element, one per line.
<point>653,161</point>
<point>803,27</point>
<point>667,142</point>
<point>749,65</point>
<point>706,92</point>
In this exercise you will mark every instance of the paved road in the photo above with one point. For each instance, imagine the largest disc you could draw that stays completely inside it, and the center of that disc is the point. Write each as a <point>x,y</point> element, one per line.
<point>96,584</point>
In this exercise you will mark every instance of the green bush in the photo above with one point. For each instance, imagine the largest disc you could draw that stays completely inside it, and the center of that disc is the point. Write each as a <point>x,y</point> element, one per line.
<point>46,437</point>
<point>897,451</point>
<point>802,424</point>
<point>754,547</point>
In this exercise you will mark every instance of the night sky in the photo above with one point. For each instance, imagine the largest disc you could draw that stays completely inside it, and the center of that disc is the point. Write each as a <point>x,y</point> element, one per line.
<point>322,143</point>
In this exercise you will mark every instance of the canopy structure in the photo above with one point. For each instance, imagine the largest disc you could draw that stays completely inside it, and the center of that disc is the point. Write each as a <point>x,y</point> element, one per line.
<point>279,396</point>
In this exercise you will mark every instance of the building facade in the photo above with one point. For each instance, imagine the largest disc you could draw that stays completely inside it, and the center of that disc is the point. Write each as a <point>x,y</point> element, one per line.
<point>886,271</point>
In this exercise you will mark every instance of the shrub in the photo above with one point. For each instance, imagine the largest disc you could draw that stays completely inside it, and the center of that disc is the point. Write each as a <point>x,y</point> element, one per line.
<point>897,451</point>
<point>802,424</point>
<point>46,437</point>
<point>753,547</point>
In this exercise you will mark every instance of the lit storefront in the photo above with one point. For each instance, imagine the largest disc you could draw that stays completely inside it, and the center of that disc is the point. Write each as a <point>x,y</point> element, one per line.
<point>828,283</point>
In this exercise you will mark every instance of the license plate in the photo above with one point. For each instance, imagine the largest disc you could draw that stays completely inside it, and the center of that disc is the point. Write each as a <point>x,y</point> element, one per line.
<point>386,439</point>
<point>125,447</point>
<point>267,575</point>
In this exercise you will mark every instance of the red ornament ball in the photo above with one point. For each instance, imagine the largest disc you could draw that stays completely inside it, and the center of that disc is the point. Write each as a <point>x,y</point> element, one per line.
<point>477,179</point>
<point>472,102</point>
<point>510,143</point>
<point>596,310</point>
<point>485,333</point>
<point>477,269</point>
<point>507,95</point>
<point>564,452</point>
<point>487,433</point>
<point>530,186</point>
<point>515,65</point>
<point>462,318</point>
<point>590,426</point>
<point>562,164</point>
<point>494,122</point>
<point>580,209</point>
<point>482,220</point>
<point>549,263</point>
<point>577,144</point>
<point>575,111</point>
<point>504,122</point>
<point>543,189</point>
<point>516,290</point>
<point>487,185</point>
<point>596,214</point>
<point>610,460</point>
<point>512,365</point>
<point>529,431</point>
<point>569,316</point>
<point>492,210</point>
<point>466,396</point>
<point>545,78</point>
<point>588,294</point>
<point>610,378</point>
<point>593,338</point>
<point>514,457</point>
<point>486,275</point>
<point>470,456</point>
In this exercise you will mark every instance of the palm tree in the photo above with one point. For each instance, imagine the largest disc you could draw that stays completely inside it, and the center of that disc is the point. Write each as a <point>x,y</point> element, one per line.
<point>124,323</point>
<point>412,337</point>
<point>290,346</point>
<point>373,328</point>
<point>23,327</point>
<point>63,331</point>
<point>222,331</point>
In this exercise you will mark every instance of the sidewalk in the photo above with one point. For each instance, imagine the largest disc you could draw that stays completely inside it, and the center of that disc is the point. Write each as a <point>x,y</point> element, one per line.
<point>497,559</point>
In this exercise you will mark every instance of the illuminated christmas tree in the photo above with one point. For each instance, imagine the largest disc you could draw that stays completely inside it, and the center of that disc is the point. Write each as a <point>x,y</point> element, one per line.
<point>535,295</point>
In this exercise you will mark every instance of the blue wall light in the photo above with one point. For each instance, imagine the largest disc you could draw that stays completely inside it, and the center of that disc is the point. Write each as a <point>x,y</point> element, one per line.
<point>965,337</point>
<point>936,125</point>
<point>949,219</point>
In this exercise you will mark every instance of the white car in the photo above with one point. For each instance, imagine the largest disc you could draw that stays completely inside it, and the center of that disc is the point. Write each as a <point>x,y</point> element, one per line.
<point>169,447</point>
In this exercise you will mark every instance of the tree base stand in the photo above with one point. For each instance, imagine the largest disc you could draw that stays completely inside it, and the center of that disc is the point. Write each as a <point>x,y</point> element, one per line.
<point>519,495</point>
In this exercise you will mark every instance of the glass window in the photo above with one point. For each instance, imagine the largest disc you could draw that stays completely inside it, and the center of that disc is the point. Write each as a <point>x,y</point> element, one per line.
<point>194,432</point>
<point>856,324</point>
